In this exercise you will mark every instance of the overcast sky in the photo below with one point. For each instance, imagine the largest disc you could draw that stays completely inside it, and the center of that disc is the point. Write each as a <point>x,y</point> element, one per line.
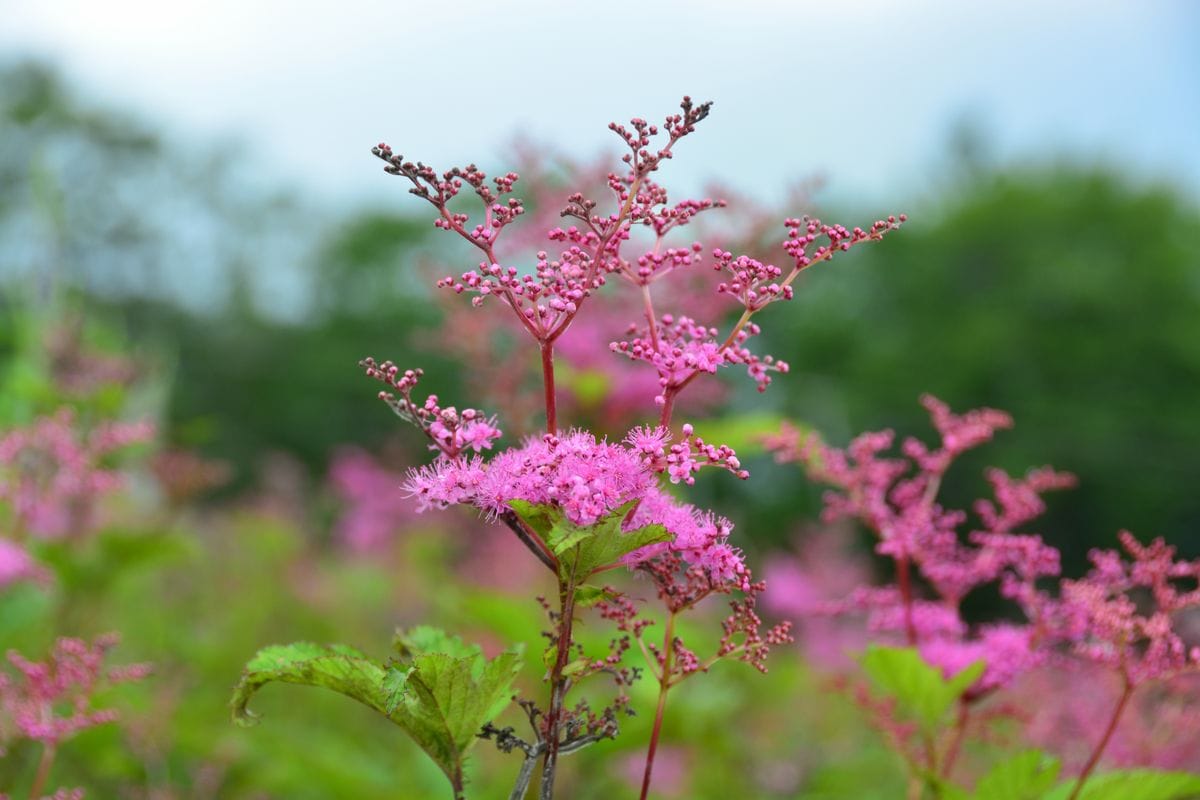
<point>862,92</point>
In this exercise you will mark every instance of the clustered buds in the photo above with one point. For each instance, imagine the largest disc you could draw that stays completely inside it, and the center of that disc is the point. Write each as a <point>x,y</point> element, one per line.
<point>450,431</point>
<point>804,232</point>
<point>681,460</point>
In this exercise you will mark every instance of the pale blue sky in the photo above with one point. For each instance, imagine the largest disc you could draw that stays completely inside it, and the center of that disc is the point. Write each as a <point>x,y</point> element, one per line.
<point>862,92</point>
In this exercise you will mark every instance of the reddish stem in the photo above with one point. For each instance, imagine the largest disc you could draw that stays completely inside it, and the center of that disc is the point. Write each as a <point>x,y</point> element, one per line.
<point>43,771</point>
<point>959,733</point>
<point>558,686</point>
<point>668,406</point>
<point>530,539</point>
<point>1126,693</point>
<point>547,348</point>
<point>664,685</point>
<point>904,579</point>
<point>651,322</point>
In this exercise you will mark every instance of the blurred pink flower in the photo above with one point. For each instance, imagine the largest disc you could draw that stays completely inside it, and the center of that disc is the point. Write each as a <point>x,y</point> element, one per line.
<point>52,472</point>
<point>17,565</point>
<point>374,509</point>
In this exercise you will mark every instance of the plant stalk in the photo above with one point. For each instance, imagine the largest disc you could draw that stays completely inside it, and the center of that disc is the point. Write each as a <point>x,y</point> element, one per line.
<point>558,686</point>
<point>664,685</point>
<point>43,771</point>
<point>1126,693</point>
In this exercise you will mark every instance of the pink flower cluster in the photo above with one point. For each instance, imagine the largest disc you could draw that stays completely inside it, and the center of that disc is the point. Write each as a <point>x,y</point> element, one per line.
<point>681,460</point>
<point>897,499</point>
<point>546,301</point>
<point>52,700</point>
<point>1123,618</point>
<point>584,477</point>
<point>588,479</point>
<point>17,565</point>
<point>51,474</point>
<point>1104,617</point>
<point>450,431</point>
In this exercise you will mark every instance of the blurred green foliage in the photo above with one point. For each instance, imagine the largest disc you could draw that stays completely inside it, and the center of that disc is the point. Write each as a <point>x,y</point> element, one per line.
<point>1064,294</point>
<point>1067,296</point>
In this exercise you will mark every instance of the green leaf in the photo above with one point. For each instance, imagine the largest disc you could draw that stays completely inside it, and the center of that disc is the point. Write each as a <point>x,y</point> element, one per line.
<point>920,690</point>
<point>1026,776</point>
<point>1133,784</point>
<point>583,549</point>
<point>608,543</point>
<point>428,639</point>
<point>340,668</point>
<point>576,666</point>
<point>588,595</point>
<point>565,536</point>
<point>745,432</point>
<point>965,679</point>
<point>440,690</point>
<point>395,681</point>
<point>539,517</point>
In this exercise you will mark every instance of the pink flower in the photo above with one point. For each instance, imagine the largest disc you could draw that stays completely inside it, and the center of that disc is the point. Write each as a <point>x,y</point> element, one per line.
<point>51,473</point>
<point>17,565</point>
<point>52,700</point>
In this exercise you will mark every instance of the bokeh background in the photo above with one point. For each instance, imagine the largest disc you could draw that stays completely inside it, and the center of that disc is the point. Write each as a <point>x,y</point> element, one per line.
<point>187,195</point>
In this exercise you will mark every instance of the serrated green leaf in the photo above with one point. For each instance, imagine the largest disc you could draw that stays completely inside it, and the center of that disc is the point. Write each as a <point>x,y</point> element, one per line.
<point>395,681</point>
<point>564,536</point>
<point>449,701</point>
<point>1133,784</point>
<point>440,692</point>
<point>609,543</point>
<point>583,549</point>
<point>1026,776</point>
<point>340,668</point>
<point>428,639</point>
<point>920,690</point>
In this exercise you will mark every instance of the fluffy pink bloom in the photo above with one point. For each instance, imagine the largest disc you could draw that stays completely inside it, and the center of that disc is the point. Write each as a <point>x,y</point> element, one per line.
<point>1007,651</point>
<point>451,432</point>
<point>700,537</point>
<point>585,477</point>
<point>680,461</point>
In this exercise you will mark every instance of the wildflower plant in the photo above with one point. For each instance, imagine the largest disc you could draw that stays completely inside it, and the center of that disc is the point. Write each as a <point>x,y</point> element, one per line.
<point>581,504</point>
<point>50,701</point>
<point>1121,617</point>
